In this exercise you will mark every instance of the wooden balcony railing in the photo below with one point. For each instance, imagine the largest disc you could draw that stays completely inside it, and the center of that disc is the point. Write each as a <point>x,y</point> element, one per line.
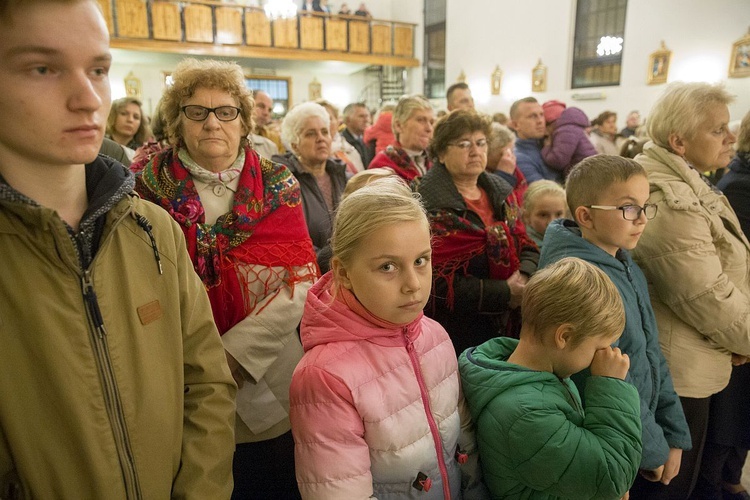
<point>227,29</point>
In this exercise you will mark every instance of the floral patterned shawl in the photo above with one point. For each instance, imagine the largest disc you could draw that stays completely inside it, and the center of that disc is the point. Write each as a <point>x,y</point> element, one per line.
<point>262,240</point>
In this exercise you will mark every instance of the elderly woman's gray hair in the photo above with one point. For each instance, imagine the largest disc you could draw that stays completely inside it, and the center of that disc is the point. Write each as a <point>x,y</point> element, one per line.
<point>404,109</point>
<point>295,119</point>
<point>192,74</point>
<point>682,109</point>
<point>499,138</point>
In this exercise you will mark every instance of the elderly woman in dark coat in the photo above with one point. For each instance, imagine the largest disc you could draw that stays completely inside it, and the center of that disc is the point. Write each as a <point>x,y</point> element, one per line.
<point>322,178</point>
<point>481,261</point>
<point>727,444</point>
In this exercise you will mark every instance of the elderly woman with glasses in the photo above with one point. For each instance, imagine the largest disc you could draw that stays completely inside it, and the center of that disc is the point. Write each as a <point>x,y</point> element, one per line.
<point>697,261</point>
<point>242,218</point>
<point>481,257</point>
<point>413,123</point>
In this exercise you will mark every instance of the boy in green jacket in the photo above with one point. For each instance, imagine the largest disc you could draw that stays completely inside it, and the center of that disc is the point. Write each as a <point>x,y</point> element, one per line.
<point>535,441</point>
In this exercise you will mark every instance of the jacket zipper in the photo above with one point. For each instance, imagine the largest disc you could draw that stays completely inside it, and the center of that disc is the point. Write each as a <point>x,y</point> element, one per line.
<point>428,411</point>
<point>654,369</point>
<point>110,391</point>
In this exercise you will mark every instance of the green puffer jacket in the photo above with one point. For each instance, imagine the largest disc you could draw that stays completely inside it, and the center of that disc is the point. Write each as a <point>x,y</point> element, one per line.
<point>535,441</point>
<point>121,394</point>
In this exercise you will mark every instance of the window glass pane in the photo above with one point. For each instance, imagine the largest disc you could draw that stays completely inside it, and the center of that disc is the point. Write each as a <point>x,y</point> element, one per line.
<point>598,44</point>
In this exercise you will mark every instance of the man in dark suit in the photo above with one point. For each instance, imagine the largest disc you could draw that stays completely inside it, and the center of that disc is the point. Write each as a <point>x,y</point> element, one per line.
<point>356,118</point>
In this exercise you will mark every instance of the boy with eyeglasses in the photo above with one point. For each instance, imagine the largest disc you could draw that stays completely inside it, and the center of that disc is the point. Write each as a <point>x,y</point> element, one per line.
<point>608,197</point>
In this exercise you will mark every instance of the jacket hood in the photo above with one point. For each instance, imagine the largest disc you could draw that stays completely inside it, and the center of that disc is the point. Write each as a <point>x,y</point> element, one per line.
<point>563,239</point>
<point>328,319</point>
<point>381,129</point>
<point>740,163</point>
<point>438,190</point>
<point>573,116</point>
<point>107,182</point>
<point>486,372</point>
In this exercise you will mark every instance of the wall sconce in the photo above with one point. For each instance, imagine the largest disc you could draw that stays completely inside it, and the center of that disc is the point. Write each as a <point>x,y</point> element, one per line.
<point>539,77</point>
<point>315,89</point>
<point>496,80</point>
<point>461,77</point>
<point>133,86</point>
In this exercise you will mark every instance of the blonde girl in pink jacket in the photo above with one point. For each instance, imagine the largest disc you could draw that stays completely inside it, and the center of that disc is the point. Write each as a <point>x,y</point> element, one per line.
<point>376,405</point>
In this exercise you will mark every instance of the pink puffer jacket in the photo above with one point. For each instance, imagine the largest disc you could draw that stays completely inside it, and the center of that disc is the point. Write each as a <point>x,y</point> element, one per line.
<point>375,407</point>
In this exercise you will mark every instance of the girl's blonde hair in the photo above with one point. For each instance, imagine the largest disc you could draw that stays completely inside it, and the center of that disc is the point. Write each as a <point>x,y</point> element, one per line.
<point>573,292</point>
<point>380,203</point>
<point>365,177</point>
<point>538,189</point>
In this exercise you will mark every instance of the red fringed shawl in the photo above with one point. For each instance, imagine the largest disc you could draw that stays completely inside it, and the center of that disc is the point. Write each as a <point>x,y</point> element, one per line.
<point>457,240</point>
<point>243,257</point>
<point>396,157</point>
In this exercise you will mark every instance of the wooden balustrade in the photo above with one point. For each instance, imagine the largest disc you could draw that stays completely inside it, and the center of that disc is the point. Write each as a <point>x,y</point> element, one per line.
<point>222,28</point>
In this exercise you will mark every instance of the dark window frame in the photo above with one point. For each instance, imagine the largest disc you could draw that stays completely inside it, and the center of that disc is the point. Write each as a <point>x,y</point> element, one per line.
<point>594,20</point>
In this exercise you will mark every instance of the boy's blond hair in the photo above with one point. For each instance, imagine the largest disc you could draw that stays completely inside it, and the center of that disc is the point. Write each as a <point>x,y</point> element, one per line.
<point>380,203</point>
<point>595,174</point>
<point>537,189</point>
<point>572,291</point>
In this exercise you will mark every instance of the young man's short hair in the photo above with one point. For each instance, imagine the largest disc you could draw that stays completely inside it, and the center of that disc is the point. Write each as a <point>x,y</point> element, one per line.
<point>515,105</point>
<point>572,291</point>
<point>592,176</point>
<point>453,88</point>
<point>350,108</point>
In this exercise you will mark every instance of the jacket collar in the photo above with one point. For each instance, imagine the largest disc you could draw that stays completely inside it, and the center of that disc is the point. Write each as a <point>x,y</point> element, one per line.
<point>439,192</point>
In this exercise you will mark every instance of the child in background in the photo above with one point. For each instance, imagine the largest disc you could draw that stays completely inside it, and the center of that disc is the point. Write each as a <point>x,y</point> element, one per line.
<point>535,440</point>
<point>543,203</point>
<point>376,407</point>
<point>568,141</point>
<point>608,197</point>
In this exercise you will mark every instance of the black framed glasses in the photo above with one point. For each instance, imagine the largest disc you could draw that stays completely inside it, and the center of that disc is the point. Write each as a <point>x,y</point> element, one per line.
<point>630,212</point>
<point>200,113</point>
<point>467,144</point>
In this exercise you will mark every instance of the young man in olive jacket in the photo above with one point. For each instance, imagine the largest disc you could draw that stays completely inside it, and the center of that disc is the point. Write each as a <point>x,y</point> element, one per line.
<point>114,383</point>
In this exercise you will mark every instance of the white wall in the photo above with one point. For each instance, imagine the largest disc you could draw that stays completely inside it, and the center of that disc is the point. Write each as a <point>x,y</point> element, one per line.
<point>516,33</point>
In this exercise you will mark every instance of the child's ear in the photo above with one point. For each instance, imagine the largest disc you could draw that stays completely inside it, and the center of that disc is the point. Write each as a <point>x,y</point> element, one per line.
<point>339,272</point>
<point>582,216</point>
<point>563,335</point>
<point>677,144</point>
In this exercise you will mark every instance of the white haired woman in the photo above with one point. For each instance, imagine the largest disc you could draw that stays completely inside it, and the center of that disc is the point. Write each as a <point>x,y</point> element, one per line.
<point>413,124</point>
<point>697,261</point>
<point>321,178</point>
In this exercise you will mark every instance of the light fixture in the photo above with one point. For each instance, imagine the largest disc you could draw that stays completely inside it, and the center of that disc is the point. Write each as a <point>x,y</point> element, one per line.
<point>280,9</point>
<point>609,46</point>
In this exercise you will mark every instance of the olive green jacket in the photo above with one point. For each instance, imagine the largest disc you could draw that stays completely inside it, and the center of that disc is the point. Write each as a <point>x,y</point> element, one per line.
<point>114,381</point>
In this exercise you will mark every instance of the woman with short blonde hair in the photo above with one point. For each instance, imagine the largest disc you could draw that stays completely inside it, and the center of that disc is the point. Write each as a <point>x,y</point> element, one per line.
<point>412,123</point>
<point>696,258</point>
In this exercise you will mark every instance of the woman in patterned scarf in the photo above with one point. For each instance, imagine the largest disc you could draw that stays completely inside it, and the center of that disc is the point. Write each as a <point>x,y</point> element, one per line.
<point>482,256</point>
<point>242,219</point>
<point>413,123</point>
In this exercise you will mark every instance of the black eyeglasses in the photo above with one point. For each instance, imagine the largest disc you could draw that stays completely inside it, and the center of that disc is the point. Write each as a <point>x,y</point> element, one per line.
<point>199,113</point>
<point>631,212</point>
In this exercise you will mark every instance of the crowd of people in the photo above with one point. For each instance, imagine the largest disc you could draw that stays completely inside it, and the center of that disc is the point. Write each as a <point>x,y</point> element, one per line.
<point>211,304</point>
